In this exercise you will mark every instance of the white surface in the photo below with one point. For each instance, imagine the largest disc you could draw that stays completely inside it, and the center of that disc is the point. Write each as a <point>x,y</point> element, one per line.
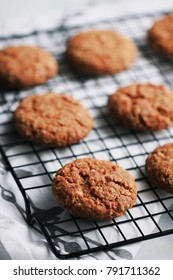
<point>16,8</point>
<point>10,9</point>
<point>21,16</point>
<point>156,249</point>
<point>153,249</point>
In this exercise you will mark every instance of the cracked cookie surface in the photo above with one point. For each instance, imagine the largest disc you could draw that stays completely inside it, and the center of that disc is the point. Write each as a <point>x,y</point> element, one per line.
<point>142,106</point>
<point>52,120</point>
<point>94,189</point>
<point>160,36</point>
<point>26,66</point>
<point>100,52</point>
<point>159,167</point>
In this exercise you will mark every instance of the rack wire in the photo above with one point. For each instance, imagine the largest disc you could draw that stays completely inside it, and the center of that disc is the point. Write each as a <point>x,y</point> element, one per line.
<point>33,166</point>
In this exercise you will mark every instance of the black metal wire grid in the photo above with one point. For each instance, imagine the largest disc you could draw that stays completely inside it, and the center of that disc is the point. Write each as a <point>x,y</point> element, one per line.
<point>33,166</point>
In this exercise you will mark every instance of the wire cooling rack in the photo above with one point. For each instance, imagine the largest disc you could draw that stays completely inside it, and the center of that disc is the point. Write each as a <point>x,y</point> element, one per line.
<point>33,166</point>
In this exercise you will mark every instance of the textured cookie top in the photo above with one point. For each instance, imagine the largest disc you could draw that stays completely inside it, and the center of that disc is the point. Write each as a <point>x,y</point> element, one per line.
<point>94,189</point>
<point>161,34</point>
<point>25,66</point>
<point>99,52</point>
<point>159,167</point>
<point>53,120</point>
<point>142,106</point>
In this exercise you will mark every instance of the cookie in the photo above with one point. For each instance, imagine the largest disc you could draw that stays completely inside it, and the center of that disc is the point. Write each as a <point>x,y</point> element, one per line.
<point>25,66</point>
<point>159,167</point>
<point>142,107</point>
<point>100,52</point>
<point>94,189</point>
<point>160,36</point>
<point>52,120</point>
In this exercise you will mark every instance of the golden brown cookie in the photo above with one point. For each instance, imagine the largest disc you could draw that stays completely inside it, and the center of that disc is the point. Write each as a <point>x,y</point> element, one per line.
<point>26,66</point>
<point>159,167</point>
<point>142,106</point>
<point>52,120</point>
<point>94,189</point>
<point>160,36</point>
<point>100,52</point>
